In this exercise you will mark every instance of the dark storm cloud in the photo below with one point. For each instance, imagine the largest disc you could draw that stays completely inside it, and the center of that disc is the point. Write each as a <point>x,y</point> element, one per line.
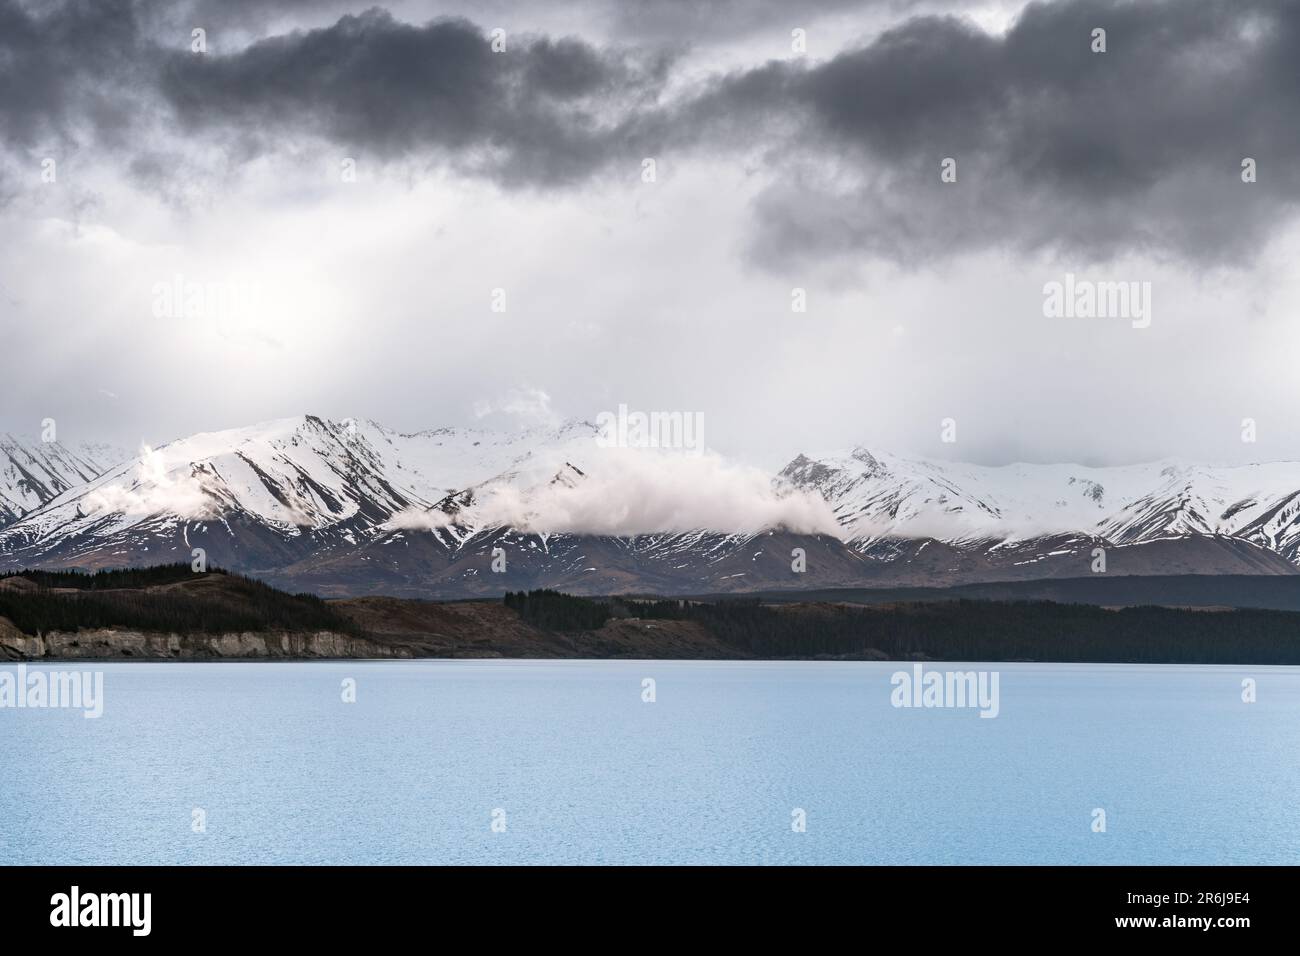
<point>95,76</point>
<point>1056,146</point>
<point>542,112</point>
<point>674,22</point>
<point>66,71</point>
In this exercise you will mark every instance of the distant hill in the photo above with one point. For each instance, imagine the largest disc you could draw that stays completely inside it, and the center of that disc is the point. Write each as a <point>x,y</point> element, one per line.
<point>163,599</point>
<point>1273,592</point>
<point>168,613</point>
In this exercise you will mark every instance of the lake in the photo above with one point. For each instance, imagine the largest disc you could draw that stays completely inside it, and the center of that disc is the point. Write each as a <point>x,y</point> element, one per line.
<point>510,762</point>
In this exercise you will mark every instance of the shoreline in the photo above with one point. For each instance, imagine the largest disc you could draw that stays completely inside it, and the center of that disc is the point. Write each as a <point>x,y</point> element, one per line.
<point>168,614</point>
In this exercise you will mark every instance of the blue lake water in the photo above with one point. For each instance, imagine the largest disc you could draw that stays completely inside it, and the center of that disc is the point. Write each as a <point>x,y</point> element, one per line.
<point>710,772</point>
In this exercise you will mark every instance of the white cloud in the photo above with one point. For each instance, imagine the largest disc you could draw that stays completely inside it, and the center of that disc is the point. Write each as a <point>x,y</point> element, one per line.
<point>153,492</point>
<point>640,491</point>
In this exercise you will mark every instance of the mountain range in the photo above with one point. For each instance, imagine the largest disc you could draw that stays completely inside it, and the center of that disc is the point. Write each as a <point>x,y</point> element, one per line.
<point>347,508</point>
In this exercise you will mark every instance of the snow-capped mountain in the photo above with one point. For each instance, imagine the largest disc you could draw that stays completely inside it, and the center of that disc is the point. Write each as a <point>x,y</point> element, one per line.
<point>33,473</point>
<point>351,507</point>
<point>882,497</point>
<point>261,497</point>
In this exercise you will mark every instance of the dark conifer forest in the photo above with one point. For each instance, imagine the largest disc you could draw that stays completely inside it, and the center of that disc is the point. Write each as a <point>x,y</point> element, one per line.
<point>153,599</point>
<point>955,630</point>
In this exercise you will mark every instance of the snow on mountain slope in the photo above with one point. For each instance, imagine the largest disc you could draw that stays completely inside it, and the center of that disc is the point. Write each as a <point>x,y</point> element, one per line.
<point>33,473</point>
<point>291,474</point>
<point>442,461</point>
<point>901,522</point>
<point>883,496</point>
<point>1259,503</point>
<point>569,482</point>
<point>330,504</point>
<point>297,485</point>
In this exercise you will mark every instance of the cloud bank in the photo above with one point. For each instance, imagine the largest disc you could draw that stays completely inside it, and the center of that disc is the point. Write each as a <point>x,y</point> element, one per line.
<point>629,492</point>
<point>154,492</point>
<point>1056,146</point>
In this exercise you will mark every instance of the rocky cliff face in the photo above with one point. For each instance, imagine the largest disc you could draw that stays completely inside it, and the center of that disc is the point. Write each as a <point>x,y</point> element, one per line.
<point>396,629</point>
<point>116,644</point>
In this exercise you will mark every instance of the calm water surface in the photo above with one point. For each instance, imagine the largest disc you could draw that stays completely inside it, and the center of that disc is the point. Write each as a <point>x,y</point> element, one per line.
<point>586,772</point>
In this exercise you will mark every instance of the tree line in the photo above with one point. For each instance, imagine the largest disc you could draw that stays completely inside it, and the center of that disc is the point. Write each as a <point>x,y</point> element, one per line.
<point>963,630</point>
<point>118,599</point>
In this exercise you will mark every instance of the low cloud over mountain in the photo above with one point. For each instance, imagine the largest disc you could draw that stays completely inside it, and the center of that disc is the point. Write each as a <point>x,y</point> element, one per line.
<point>352,507</point>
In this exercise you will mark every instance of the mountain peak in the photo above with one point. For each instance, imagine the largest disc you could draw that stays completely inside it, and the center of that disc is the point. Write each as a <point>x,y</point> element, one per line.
<point>270,496</point>
<point>861,454</point>
<point>34,473</point>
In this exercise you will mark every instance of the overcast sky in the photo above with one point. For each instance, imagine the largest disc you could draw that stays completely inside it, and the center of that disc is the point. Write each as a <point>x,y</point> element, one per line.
<point>523,171</point>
